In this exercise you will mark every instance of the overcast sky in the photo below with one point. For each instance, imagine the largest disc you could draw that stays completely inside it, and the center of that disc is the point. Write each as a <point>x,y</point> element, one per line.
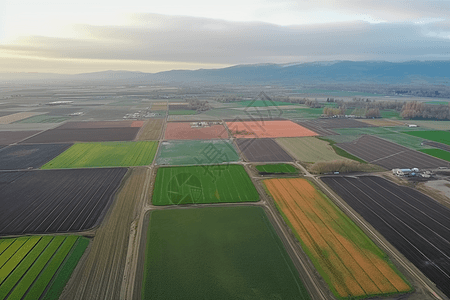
<point>151,36</point>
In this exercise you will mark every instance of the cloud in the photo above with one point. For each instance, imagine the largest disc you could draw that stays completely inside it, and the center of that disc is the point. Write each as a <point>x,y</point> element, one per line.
<point>190,40</point>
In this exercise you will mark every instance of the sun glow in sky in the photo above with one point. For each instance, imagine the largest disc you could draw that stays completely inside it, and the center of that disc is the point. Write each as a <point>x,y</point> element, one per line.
<point>84,36</point>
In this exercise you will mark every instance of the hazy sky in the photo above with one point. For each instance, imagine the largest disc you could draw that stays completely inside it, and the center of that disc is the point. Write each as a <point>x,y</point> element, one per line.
<point>151,36</point>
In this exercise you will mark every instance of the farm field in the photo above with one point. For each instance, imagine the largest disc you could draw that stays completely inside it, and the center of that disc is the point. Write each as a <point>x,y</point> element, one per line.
<point>435,136</point>
<point>277,169</point>
<point>200,152</point>
<point>268,129</point>
<point>151,130</point>
<point>262,150</point>
<point>101,124</point>
<point>203,184</point>
<point>17,117</point>
<point>260,103</point>
<point>328,126</point>
<point>105,154</point>
<point>439,153</point>
<point>11,137</point>
<point>52,201</point>
<point>309,149</point>
<point>390,114</point>
<point>159,106</point>
<point>84,135</point>
<point>44,119</point>
<point>436,125</point>
<point>381,122</point>
<point>108,251</point>
<point>184,131</point>
<point>38,267</point>
<point>182,112</point>
<point>389,155</point>
<point>436,145</point>
<point>217,253</point>
<point>179,106</point>
<point>16,157</point>
<point>353,265</point>
<point>415,224</point>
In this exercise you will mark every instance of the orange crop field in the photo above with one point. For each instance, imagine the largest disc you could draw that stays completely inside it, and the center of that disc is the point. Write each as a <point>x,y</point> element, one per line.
<point>268,129</point>
<point>351,264</point>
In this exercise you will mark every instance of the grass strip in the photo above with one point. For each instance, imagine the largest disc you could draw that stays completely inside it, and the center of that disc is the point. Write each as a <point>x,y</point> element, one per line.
<point>4,244</point>
<point>23,267</point>
<point>342,152</point>
<point>12,249</point>
<point>63,275</point>
<point>50,269</point>
<point>27,280</point>
<point>11,264</point>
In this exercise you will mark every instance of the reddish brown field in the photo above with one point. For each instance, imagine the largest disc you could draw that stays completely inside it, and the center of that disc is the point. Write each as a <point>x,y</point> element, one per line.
<point>184,131</point>
<point>10,137</point>
<point>268,129</point>
<point>101,124</point>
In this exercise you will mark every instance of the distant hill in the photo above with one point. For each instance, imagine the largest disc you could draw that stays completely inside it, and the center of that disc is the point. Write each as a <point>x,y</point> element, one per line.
<point>367,72</point>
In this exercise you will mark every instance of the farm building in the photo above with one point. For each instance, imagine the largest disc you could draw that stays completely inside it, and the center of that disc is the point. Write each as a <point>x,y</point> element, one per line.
<point>405,172</point>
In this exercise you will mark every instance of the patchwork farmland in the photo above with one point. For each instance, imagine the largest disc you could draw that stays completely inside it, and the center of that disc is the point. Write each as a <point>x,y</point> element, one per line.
<point>353,265</point>
<point>389,155</point>
<point>203,184</point>
<point>243,257</point>
<point>191,131</point>
<point>38,267</point>
<point>268,129</point>
<point>190,152</point>
<point>106,154</point>
<point>51,201</point>
<point>17,157</point>
<point>415,224</point>
<point>262,150</point>
<point>101,124</point>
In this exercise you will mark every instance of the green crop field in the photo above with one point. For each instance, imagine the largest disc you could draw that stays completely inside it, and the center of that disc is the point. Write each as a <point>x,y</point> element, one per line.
<point>435,135</point>
<point>439,153</point>
<point>203,184</point>
<point>390,114</point>
<point>38,267</point>
<point>183,112</point>
<point>217,253</point>
<point>198,152</point>
<point>44,119</point>
<point>277,169</point>
<point>309,149</point>
<point>105,154</point>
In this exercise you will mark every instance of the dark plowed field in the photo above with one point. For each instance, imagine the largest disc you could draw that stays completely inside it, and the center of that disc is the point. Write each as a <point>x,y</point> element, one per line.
<point>17,157</point>
<point>101,124</point>
<point>54,201</point>
<point>262,150</point>
<point>415,224</point>
<point>438,145</point>
<point>6,113</point>
<point>84,135</point>
<point>390,155</point>
<point>325,126</point>
<point>11,137</point>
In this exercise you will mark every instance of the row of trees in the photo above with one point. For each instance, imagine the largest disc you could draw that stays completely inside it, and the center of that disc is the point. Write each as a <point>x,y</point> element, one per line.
<point>420,110</point>
<point>358,112</point>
